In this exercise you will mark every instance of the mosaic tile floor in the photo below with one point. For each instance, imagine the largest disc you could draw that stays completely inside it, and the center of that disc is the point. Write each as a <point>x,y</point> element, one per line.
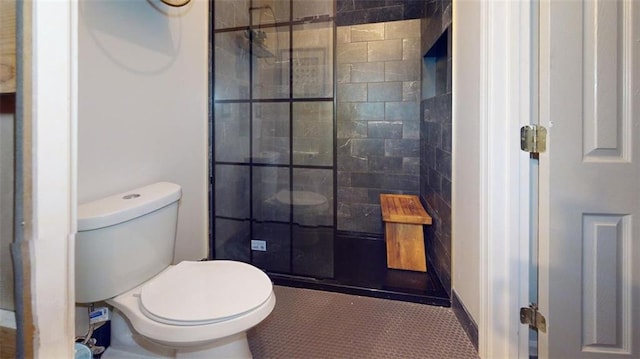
<point>316,324</point>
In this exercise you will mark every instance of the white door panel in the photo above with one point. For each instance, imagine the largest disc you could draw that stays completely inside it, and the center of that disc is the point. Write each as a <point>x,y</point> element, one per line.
<point>590,179</point>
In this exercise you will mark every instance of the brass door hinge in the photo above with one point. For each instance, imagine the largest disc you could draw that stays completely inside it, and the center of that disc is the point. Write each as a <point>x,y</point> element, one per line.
<point>533,138</point>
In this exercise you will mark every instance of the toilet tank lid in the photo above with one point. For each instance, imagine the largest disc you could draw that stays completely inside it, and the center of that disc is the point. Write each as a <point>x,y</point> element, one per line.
<point>127,205</point>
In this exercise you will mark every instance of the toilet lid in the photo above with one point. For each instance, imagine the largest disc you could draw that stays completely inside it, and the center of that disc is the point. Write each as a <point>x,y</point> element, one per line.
<point>197,293</point>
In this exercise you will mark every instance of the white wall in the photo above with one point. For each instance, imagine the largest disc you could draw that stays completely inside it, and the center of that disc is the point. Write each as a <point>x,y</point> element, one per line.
<point>466,174</point>
<point>143,105</point>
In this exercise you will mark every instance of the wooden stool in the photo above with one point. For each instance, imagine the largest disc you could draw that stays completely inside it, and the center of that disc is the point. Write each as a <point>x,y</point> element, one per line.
<point>404,216</point>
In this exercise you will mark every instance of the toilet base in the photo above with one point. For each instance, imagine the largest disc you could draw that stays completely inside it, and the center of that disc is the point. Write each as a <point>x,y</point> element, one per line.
<point>126,344</point>
<point>235,346</point>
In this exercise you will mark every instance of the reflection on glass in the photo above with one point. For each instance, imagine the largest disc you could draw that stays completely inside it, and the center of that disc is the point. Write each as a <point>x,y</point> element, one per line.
<point>270,11</point>
<point>232,132</point>
<point>232,239</point>
<point>312,60</point>
<point>313,133</point>
<point>271,133</point>
<point>278,239</point>
<point>312,197</point>
<point>232,191</point>
<point>270,48</point>
<point>304,9</point>
<point>231,66</point>
<point>231,13</point>
<point>267,183</point>
<point>313,251</point>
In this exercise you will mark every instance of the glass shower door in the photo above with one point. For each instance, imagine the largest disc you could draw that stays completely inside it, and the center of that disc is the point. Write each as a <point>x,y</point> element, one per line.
<point>273,135</point>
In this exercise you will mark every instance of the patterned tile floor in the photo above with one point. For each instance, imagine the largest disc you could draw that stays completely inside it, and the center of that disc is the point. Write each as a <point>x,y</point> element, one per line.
<point>316,324</point>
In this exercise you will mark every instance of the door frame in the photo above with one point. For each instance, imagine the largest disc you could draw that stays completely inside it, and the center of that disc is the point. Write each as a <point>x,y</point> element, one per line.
<point>508,67</point>
<point>505,59</point>
<point>51,93</point>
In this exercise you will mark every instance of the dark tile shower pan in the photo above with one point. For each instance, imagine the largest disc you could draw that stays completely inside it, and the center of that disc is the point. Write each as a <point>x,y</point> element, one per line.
<point>360,269</point>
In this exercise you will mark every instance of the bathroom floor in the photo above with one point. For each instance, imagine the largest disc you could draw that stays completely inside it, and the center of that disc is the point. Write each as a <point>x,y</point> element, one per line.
<point>316,324</point>
<point>360,267</point>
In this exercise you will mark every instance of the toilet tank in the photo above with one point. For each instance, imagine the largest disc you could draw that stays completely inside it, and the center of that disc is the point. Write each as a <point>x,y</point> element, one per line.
<point>124,239</point>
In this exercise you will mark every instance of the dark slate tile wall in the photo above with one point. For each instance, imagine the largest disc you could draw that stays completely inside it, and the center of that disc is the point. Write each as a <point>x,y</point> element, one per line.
<point>436,20</point>
<point>378,119</point>
<point>435,182</point>
<point>356,12</point>
<point>436,136</point>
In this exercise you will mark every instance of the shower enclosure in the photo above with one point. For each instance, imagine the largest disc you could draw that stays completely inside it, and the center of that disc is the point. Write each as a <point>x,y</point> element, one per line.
<point>273,184</point>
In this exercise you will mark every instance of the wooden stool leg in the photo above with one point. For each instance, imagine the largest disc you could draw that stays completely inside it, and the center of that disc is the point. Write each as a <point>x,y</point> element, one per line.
<point>405,247</point>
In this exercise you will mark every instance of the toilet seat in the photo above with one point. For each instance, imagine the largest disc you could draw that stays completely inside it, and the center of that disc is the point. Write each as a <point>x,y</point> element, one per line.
<point>200,293</point>
<point>181,335</point>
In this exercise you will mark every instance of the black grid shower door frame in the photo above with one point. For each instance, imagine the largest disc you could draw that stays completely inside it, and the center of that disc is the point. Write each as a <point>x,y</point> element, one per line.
<point>251,101</point>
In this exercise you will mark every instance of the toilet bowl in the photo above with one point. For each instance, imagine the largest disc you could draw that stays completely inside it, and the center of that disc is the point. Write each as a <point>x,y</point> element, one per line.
<point>197,309</point>
<point>175,310</point>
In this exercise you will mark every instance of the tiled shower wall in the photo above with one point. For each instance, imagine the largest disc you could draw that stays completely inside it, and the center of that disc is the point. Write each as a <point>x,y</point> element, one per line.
<point>436,136</point>
<point>389,138</point>
<point>378,119</point>
<point>356,12</point>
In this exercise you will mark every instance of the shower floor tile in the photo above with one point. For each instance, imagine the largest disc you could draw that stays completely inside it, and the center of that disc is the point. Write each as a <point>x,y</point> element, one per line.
<point>360,268</point>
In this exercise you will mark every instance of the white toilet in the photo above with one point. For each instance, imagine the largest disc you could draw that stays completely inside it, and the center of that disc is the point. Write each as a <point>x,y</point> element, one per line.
<point>124,250</point>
